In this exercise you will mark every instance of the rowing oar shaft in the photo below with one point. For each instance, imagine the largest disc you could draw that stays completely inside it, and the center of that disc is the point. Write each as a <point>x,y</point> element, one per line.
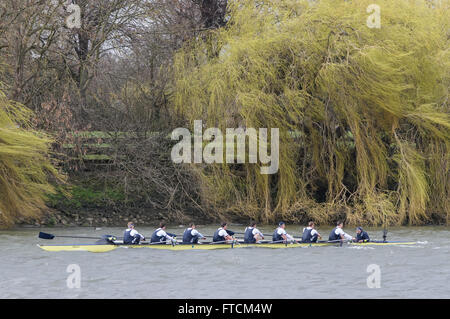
<point>51,236</point>
<point>207,236</point>
<point>265,235</point>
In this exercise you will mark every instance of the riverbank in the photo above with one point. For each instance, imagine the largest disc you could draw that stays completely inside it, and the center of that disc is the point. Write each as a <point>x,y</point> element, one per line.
<point>101,218</point>
<point>93,218</point>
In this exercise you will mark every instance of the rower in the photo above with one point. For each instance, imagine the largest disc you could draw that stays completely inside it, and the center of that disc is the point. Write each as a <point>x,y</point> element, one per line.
<point>338,233</point>
<point>361,235</point>
<point>221,234</point>
<point>160,235</point>
<point>252,234</point>
<point>191,235</point>
<point>310,234</point>
<point>280,233</point>
<point>131,235</point>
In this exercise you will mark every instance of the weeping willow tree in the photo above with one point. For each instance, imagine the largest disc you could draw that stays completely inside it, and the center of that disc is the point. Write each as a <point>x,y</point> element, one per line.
<point>363,112</point>
<point>24,165</point>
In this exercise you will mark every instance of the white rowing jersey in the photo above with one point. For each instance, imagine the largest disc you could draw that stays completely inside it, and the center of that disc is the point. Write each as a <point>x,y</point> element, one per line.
<point>282,231</point>
<point>313,231</point>
<point>195,232</point>
<point>162,233</point>
<point>255,231</point>
<point>134,232</point>
<point>339,231</point>
<point>223,233</point>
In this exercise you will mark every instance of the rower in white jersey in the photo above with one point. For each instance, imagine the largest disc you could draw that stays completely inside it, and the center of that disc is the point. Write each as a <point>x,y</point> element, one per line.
<point>192,235</point>
<point>221,234</point>
<point>252,234</point>
<point>160,235</point>
<point>280,234</point>
<point>131,235</point>
<point>338,233</point>
<point>310,234</point>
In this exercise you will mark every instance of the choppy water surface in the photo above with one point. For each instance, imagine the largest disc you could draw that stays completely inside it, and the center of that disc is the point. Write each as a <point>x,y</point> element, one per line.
<point>420,271</point>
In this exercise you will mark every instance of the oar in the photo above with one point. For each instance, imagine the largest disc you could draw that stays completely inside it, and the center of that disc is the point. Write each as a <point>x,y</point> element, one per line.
<point>180,243</point>
<point>166,242</point>
<point>221,242</point>
<point>51,236</point>
<point>265,235</point>
<point>278,242</point>
<point>207,236</point>
<point>341,241</point>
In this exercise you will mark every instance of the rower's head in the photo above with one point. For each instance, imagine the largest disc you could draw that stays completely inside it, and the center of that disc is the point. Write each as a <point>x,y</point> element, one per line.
<point>282,225</point>
<point>339,224</point>
<point>162,225</point>
<point>192,225</point>
<point>131,225</point>
<point>311,224</point>
<point>359,230</point>
<point>252,224</point>
<point>224,225</point>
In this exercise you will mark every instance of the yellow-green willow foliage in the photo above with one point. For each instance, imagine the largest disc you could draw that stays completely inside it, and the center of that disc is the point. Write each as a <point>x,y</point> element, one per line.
<point>24,165</point>
<point>363,112</point>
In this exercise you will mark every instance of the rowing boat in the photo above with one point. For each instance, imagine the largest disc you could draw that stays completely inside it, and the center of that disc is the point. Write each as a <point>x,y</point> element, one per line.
<point>208,246</point>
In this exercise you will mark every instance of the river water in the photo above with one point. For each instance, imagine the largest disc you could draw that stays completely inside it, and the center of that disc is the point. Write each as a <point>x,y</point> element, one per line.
<point>420,271</point>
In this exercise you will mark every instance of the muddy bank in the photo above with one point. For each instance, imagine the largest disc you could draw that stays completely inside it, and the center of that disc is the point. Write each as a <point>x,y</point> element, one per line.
<point>102,218</point>
<point>95,218</point>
